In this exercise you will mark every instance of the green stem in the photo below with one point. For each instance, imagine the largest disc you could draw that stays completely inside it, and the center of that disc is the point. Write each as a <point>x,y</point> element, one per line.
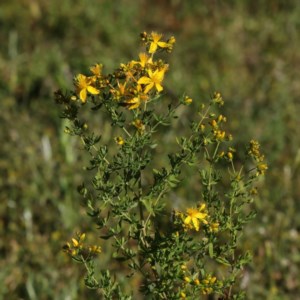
<point>125,130</point>
<point>96,149</point>
<point>155,203</point>
<point>88,270</point>
<point>216,150</point>
<point>140,193</point>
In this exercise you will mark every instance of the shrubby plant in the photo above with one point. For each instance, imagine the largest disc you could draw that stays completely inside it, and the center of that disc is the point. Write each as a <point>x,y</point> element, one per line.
<point>195,252</point>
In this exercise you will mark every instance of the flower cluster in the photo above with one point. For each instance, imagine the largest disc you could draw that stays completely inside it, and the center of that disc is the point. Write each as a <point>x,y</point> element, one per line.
<point>211,127</point>
<point>78,250</point>
<point>187,100</point>
<point>87,84</point>
<point>218,99</point>
<point>133,83</point>
<point>154,42</point>
<point>194,217</point>
<point>218,133</point>
<point>207,284</point>
<point>254,152</point>
<point>204,285</point>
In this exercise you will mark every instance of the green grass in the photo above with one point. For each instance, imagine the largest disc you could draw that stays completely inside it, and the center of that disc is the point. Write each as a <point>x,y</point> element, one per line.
<point>247,50</point>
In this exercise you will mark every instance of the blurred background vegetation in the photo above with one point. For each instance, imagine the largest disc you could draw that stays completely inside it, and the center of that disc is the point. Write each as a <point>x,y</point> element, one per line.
<point>247,50</point>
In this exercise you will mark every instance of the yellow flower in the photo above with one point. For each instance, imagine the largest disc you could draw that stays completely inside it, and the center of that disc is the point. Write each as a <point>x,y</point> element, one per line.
<point>171,41</point>
<point>219,135</point>
<point>154,80</point>
<point>217,98</point>
<point>144,60</point>
<point>187,279</point>
<point>119,92</point>
<point>221,118</point>
<point>261,168</point>
<point>84,85</point>
<point>187,100</point>
<point>222,154</point>
<point>82,236</point>
<point>195,216</point>
<point>183,267</point>
<point>156,42</point>
<point>134,98</point>
<point>230,155</point>
<point>214,124</point>
<point>95,249</point>
<point>75,243</point>
<point>196,281</point>
<point>139,125</point>
<point>214,227</point>
<point>133,103</point>
<point>96,70</point>
<point>119,140</point>
<point>122,88</point>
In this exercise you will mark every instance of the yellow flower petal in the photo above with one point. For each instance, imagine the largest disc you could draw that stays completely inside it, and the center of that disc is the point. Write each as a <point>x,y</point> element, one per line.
<point>153,48</point>
<point>200,215</point>
<point>187,220</point>
<point>148,87</point>
<point>156,36</point>
<point>81,81</point>
<point>82,95</point>
<point>75,242</point>
<point>159,87</point>
<point>162,44</point>
<point>157,76</point>
<point>195,223</point>
<point>93,90</point>
<point>144,80</point>
<point>133,103</point>
<point>144,59</point>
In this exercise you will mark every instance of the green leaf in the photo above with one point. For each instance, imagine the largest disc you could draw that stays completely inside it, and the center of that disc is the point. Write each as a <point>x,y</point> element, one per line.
<point>223,261</point>
<point>148,204</point>
<point>173,181</point>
